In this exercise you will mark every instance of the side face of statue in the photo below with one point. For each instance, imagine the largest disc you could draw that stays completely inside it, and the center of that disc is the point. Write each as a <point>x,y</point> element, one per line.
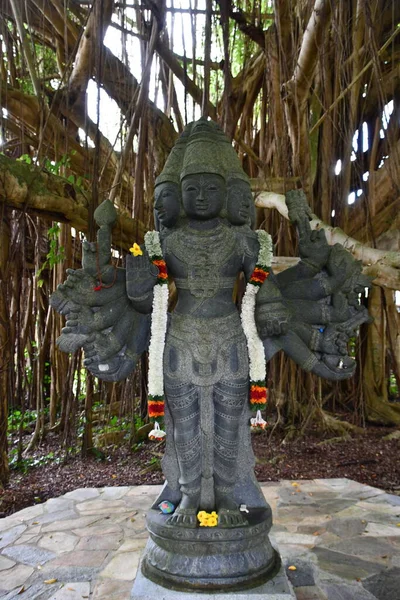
<point>203,207</point>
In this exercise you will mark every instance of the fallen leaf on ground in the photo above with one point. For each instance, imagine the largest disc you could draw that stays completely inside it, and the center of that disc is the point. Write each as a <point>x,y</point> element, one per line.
<point>292,568</point>
<point>50,581</point>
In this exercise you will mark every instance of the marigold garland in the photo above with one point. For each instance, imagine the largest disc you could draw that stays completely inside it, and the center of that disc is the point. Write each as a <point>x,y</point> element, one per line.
<point>257,370</point>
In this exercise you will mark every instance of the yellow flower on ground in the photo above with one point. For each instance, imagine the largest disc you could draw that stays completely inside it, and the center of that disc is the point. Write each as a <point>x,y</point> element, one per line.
<point>136,250</point>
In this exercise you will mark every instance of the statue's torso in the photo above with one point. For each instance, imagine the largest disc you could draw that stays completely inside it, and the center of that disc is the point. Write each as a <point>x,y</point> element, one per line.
<point>204,264</point>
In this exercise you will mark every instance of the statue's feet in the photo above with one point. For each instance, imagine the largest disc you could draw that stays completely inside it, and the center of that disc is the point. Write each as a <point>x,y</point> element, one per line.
<point>231,518</point>
<point>186,513</point>
<point>229,514</point>
<point>184,517</point>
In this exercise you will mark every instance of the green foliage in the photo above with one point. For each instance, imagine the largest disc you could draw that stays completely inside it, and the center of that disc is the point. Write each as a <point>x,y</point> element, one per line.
<point>55,254</point>
<point>60,165</point>
<point>393,387</point>
<point>25,464</point>
<point>25,158</point>
<point>17,419</point>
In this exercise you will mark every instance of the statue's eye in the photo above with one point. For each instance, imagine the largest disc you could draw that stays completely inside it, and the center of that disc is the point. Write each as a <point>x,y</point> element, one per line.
<point>191,188</point>
<point>212,188</point>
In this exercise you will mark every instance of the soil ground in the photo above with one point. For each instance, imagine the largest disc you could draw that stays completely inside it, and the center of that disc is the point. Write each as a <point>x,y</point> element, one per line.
<point>369,458</point>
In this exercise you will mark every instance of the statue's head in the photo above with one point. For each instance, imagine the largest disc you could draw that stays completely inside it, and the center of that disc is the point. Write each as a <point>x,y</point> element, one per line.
<point>240,204</point>
<point>167,203</point>
<point>203,195</point>
<point>203,177</point>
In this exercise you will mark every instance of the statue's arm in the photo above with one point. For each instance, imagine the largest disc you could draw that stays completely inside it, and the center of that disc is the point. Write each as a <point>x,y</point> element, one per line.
<point>101,319</point>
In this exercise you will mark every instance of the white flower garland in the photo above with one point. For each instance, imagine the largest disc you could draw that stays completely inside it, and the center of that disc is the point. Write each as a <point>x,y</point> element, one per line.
<point>158,330</point>
<point>158,327</point>
<point>257,368</point>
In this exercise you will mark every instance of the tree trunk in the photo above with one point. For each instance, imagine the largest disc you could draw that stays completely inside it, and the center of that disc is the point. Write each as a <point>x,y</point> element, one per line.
<point>378,409</point>
<point>5,350</point>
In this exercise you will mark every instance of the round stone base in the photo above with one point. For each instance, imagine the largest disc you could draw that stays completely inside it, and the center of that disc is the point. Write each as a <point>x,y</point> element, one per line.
<point>210,558</point>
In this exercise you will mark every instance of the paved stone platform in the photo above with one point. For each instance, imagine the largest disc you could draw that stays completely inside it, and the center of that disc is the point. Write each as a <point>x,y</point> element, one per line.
<point>339,540</point>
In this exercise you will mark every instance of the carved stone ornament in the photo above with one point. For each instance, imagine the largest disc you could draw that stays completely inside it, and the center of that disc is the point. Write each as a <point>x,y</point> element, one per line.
<point>204,212</point>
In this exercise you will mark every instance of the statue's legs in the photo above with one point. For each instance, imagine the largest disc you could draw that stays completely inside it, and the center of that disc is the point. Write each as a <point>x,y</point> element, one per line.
<point>183,403</point>
<point>206,389</point>
<point>229,401</point>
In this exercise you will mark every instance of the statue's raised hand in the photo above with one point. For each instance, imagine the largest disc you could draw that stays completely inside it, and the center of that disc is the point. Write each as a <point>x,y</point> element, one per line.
<point>141,276</point>
<point>96,261</point>
<point>313,247</point>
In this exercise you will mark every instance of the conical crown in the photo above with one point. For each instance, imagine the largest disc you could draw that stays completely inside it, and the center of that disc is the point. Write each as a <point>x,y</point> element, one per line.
<point>174,163</point>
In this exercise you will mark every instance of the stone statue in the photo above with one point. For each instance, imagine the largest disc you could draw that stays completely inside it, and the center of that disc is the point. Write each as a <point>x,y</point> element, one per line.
<point>204,212</point>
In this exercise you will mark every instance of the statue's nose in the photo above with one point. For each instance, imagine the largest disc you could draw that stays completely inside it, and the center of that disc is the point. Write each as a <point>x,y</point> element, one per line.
<point>200,195</point>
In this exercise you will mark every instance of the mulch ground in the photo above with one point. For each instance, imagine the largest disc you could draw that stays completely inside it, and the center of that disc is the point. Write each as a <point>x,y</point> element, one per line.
<point>367,458</point>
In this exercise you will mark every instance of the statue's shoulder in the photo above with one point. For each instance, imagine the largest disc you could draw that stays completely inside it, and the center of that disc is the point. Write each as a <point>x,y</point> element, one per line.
<point>247,240</point>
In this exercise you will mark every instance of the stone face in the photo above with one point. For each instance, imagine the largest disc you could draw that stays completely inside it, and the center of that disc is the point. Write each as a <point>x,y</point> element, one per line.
<point>303,576</point>
<point>59,504</point>
<point>134,544</point>
<point>105,528</point>
<point>343,565</point>
<point>381,530</point>
<point>70,524</point>
<point>114,493</point>
<point>9,536</point>
<point>110,589</point>
<point>336,591</point>
<point>346,527</point>
<point>364,546</point>
<point>290,496</point>
<point>31,512</point>
<point>59,542</point>
<point>385,585</point>
<point>29,555</point>
<point>72,591</point>
<point>5,563</point>
<point>89,558</point>
<point>62,515</point>
<point>64,573</point>
<point>100,542</point>
<point>83,494</point>
<point>310,593</point>
<point>13,578</point>
<point>122,566</point>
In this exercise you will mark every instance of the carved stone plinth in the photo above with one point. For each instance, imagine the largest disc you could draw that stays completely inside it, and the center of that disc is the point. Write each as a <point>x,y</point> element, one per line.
<point>210,558</point>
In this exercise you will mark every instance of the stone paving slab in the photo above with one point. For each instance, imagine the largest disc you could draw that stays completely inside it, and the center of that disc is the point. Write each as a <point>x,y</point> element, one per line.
<point>338,539</point>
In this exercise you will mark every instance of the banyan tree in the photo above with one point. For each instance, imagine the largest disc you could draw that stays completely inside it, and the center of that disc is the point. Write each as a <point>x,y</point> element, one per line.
<point>94,95</point>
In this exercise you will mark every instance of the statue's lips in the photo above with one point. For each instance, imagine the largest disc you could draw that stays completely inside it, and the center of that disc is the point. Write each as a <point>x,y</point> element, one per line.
<point>202,207</point>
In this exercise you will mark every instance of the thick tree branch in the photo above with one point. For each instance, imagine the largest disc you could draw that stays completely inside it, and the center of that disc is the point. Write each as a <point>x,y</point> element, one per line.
<point>381,264</point>
<point>26,187</point>
<point>90,42</point>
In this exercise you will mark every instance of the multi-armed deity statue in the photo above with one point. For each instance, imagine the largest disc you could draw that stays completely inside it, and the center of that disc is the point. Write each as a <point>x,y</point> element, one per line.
<point>207,360</point>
